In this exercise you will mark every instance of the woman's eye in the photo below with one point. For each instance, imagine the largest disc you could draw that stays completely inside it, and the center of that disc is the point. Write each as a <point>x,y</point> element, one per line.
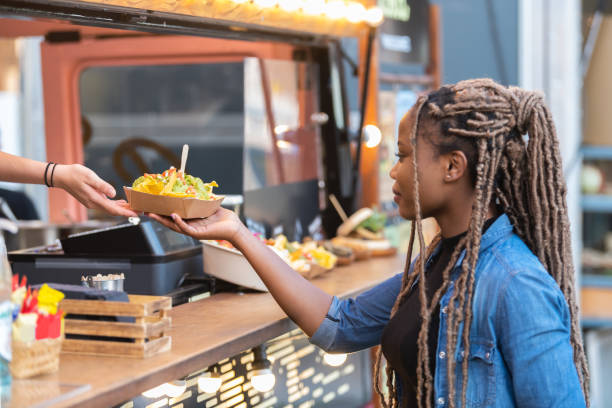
<point>399,156</point>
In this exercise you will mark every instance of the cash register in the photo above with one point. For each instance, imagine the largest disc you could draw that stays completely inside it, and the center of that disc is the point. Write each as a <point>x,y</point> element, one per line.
<point>154,259</point>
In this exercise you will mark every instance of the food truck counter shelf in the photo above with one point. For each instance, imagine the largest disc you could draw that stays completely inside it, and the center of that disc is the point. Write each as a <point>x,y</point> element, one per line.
<point>203,333</point>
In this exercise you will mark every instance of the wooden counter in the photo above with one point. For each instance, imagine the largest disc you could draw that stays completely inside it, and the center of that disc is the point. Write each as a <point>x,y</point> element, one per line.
<point>203,333</point>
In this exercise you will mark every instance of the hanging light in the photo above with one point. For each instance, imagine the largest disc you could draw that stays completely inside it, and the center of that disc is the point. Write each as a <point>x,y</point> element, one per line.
<point>335,360</point>
<point>355,12</point>
<point>210,381</point>
<point>240,1</point>
<point>372,135</point>
<point>175,388</point>
<point>262,378</point>
<point>374,16</point>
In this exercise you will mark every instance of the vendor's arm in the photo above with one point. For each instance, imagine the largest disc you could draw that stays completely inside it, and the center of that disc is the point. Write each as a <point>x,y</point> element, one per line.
<point>534,324</point>
<point>82,183</point>
<point>17,169</point>
<point>346,325</point>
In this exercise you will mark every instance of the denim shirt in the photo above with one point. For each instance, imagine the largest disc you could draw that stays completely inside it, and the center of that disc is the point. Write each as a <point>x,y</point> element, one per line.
<point>520,351</point>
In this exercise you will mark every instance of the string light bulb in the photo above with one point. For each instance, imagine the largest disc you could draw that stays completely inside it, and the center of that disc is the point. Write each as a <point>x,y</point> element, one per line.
<point>290,5</point>
<point>374,16</point>
<point>372,135</point>
<point>335,360</point>
<point>335,9</point>
<point>355,12</point>
<point>313,7</point>
<point>266,3</point>
<point>240,1</point>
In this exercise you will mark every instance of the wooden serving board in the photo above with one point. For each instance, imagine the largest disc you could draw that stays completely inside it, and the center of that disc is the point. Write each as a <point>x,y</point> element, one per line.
<point>147,334</point>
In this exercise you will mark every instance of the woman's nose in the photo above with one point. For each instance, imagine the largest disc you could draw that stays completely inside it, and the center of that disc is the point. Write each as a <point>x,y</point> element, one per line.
<point>393,171</point>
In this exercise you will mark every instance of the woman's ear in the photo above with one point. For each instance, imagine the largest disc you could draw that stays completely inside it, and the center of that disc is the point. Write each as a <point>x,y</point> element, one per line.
<point>456,166</point>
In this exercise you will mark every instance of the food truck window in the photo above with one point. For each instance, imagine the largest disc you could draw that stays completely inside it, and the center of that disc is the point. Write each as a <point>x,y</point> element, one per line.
<point>248,123</point>
<point>281,142</point>
<point>135,119</point>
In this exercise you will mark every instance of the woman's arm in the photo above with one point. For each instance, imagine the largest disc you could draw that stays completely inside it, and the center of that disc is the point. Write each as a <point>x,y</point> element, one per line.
<point>334,325</point>
<point>534,337</point>
<point>82,183</point>
<point>303,302</point>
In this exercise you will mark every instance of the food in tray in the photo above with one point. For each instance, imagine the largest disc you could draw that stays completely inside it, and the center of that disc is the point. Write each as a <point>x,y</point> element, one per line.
<point>363,233</point>
<point>173,192</point>
<point>308,258</point>
<point>345,254</point>
<point>359,249</point>
<point>300,256</point>
<point>174,183</point>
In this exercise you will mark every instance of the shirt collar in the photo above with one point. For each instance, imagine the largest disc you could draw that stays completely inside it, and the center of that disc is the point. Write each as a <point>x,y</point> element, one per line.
<point>500,228</point>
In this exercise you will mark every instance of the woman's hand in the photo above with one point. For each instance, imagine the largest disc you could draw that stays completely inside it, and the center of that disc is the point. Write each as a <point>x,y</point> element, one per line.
<point>91,191</point>
<point>223,224</point>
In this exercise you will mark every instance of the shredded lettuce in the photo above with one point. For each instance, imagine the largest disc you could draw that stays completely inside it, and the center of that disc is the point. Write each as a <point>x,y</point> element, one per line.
<point>375,222</point>
<point>188,185</point>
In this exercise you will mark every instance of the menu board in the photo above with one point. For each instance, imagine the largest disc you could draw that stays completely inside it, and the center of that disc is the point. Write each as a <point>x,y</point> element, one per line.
<point>404,32</point>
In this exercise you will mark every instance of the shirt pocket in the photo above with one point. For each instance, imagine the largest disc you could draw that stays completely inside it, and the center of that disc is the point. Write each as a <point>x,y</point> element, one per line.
<point>481,376</point>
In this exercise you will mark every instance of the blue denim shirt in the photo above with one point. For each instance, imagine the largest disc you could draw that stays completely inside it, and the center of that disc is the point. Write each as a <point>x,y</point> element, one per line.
<point>520,351</point>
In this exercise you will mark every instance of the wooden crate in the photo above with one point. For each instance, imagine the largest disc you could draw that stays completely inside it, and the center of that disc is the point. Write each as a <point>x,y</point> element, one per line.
<point>149,331</point>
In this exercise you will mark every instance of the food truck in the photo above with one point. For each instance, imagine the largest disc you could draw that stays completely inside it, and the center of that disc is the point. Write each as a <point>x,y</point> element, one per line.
<point>258,90</point>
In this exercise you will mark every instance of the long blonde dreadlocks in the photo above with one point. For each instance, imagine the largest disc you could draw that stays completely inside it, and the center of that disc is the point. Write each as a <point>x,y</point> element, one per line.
<point>525,178</point>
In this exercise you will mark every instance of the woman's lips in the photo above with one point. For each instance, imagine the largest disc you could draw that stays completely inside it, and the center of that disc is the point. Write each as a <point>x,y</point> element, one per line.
<point>396,196</point>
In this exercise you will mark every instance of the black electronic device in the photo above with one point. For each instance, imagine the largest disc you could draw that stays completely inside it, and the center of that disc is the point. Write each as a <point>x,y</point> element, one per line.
<point>154,259</point>
<point>143,238</point>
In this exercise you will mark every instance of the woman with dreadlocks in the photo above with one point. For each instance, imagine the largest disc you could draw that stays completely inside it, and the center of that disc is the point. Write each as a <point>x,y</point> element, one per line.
<point>486,316</point>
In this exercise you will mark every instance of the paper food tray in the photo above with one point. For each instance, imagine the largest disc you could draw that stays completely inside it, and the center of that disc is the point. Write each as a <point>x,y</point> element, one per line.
<point>166,205</point>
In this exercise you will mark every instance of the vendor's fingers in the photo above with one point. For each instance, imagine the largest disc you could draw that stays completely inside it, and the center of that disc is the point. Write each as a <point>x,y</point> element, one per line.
<point>100,185</point>
<point>124,211</point>
<point>102,202</point>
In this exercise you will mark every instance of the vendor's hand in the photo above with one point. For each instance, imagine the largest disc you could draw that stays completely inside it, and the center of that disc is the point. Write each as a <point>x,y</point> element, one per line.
<point>91,191</point>
<point>223,224</point>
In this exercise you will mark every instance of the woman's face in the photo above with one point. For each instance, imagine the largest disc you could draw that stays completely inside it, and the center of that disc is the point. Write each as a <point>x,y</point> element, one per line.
<point>430,170</point>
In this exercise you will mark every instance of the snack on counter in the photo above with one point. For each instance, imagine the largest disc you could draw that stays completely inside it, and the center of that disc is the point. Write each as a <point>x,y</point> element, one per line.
<point>173,192</point>
<point>345,254</point>
<point>360,250</point>
<point>363,233</point>
<point>308,258</point>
